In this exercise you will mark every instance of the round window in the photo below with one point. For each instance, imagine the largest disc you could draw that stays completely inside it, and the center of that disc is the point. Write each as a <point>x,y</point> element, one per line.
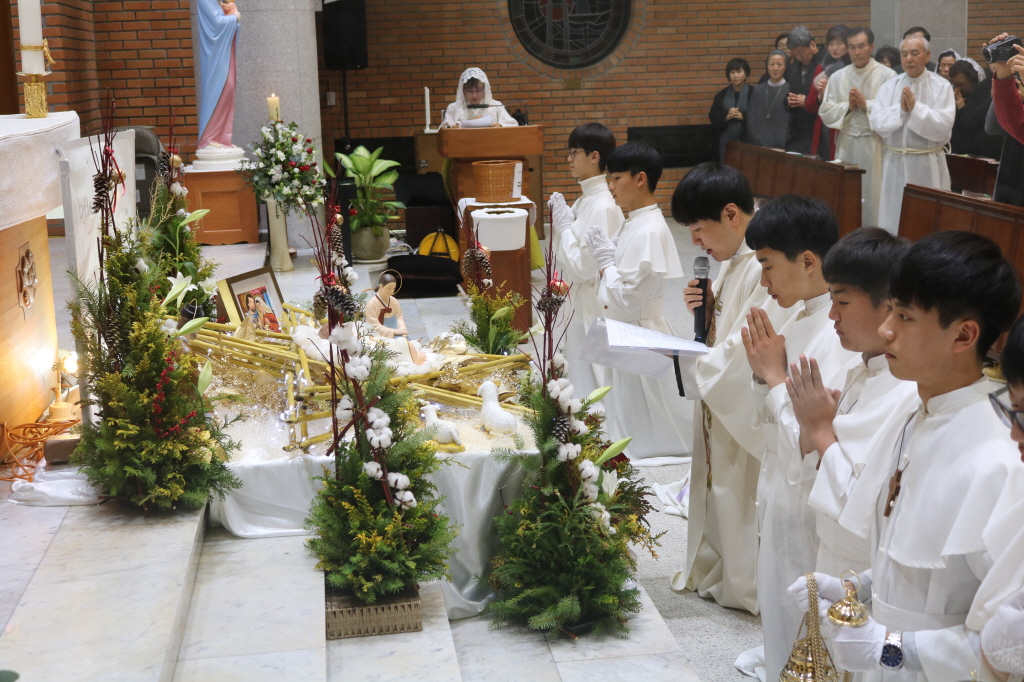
<point>570,34</point>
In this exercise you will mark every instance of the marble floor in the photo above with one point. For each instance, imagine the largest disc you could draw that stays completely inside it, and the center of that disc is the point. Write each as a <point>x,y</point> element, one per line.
<point>692,639</point>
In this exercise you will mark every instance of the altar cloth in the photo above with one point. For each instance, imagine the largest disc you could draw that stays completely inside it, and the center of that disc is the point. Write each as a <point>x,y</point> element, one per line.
<point>30,173</point>
<point>275,497</point>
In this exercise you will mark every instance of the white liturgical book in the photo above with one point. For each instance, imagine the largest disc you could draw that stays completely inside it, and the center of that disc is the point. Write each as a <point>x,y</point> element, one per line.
<point>482,122</point>
<point>636,350</point>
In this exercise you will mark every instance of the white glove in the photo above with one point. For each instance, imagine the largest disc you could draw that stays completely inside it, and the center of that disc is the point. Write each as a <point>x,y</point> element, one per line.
<point>1002,638</point>
<point>829,590</point>
<point>561,215</point>
<point>858,648</point>
<point>601,248</point>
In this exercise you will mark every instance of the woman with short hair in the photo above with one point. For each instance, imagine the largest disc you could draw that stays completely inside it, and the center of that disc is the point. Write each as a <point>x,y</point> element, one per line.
<point>729,109</point>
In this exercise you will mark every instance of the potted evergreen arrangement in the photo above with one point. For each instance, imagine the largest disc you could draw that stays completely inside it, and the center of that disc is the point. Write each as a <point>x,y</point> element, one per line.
<point>375,524</point>
<point>369,211</point>
<point>564,564</point>
<point>286,176</point>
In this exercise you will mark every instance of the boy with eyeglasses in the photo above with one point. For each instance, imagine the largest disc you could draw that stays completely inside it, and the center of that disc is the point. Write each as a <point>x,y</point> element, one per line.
<point>953,294</point>
<point>590,145</point>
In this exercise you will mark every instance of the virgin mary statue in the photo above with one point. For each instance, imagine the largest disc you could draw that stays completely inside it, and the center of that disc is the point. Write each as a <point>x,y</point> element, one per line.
<point>218,29</point>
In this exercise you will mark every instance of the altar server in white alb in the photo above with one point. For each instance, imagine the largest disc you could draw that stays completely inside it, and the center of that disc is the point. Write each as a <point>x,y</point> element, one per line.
<point>837,427</point>
<point>716,204</point>
<point>790,236</point>
<point>590,145</point>
<point>848,101</point>
<point>952,294</point>
<point>474,106</point>
<point>914,115</point>
<point>998,609</point>
<point>634,271</point>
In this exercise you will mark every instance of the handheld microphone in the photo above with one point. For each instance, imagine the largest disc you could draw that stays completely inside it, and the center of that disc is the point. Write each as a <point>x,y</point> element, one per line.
<point>701,270</point>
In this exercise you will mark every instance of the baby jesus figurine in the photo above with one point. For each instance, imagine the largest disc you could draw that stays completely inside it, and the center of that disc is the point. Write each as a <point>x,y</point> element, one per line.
<point>384,312</point>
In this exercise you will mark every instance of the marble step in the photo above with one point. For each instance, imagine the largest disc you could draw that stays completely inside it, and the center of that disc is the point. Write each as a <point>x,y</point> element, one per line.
<point>257,613</point>
<point>427,656</point>
<point>108,599</point>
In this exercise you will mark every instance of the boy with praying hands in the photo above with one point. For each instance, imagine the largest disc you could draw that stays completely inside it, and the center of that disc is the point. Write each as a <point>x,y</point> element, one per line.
<point>837,428</point>
<point>790,236</point>
<point>632,275</point>
<point>940,479</point>
<point>590,145</point>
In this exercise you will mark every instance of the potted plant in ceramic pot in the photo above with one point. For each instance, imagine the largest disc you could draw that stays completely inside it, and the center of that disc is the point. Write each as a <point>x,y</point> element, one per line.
<point>368,215</point>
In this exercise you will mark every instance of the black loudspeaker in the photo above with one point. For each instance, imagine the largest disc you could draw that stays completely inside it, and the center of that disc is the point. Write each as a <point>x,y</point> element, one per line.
<point>344,23</point>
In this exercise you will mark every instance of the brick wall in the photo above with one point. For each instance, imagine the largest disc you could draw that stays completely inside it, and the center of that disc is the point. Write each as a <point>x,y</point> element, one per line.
<point>671,66</point>
<point>987,19</point>
<point>139,52</point>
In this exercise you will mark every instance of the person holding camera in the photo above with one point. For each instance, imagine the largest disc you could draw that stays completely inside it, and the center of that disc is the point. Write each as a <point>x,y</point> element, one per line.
<point>1005,55</point>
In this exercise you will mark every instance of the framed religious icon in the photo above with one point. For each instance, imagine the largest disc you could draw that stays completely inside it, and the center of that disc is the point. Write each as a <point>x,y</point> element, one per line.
<point>253,299</point>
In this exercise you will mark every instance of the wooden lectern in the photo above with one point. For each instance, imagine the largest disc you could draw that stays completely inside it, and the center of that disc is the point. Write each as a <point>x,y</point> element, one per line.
<point>466,145</point>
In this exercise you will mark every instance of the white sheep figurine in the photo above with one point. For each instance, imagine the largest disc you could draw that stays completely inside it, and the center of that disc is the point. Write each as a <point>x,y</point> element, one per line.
<point>444,431</point>
<point>492,417</point>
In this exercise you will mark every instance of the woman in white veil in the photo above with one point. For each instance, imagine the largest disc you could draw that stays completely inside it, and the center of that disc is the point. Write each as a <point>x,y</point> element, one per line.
<point>475,90</point>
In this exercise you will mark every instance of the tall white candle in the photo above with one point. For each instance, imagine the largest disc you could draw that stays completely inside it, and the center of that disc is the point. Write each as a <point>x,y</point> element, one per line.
<point>30,32</point>
<point>426,97</point>
<point>274,107</point>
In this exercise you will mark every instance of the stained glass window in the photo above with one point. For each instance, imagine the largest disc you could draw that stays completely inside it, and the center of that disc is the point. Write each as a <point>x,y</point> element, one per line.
<point>570,34</point>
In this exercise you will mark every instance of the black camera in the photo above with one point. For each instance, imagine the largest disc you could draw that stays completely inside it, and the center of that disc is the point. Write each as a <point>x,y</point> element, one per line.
<point>1001,51</point>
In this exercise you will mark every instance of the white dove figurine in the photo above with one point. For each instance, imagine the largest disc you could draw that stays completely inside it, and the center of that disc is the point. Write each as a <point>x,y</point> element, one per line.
<point>493,418</point>
<point>444,431</point>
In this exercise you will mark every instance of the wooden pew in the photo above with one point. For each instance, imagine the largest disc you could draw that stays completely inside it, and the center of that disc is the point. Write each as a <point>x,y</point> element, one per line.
<point>774,173</point>
<point>972,173</point>
<point>926,210</point>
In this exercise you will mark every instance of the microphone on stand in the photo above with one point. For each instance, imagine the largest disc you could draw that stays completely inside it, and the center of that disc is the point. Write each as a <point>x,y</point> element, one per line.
<point>701,270</point>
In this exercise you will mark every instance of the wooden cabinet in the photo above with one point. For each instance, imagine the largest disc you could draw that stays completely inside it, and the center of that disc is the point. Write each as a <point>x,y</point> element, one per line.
<point>233,217</point>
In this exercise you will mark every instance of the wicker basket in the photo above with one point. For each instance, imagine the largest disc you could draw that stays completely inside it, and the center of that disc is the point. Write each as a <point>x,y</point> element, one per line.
<point>349,617</point>
<point>493,181</point>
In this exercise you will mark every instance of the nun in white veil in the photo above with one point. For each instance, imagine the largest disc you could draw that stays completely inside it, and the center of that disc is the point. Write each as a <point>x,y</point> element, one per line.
<point>474,89</point>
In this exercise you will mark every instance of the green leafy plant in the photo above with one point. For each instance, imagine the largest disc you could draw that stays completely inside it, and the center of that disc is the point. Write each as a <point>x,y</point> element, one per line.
<point>489,329</point>
<point>564,557</point>
<point>154,445</point>
<point>285,168</point>
<point>372,175</point>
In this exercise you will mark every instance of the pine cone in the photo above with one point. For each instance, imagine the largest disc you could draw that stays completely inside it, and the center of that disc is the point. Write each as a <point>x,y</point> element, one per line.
<point>476,257</point>
<point>560,431</point>
<point>101,186</point>
<point>549,303</point>
<point>164,167</point>
<point>341,301</point>
<point>337,243</point>
<point>113,333</point>
<point>319,305</point>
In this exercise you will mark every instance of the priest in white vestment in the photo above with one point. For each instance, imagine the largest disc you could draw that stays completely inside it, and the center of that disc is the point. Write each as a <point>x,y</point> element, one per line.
<point>716,204</point>
<point>633,277</point>
<point>590,145</point>
<point>790,236</point>
<point>848,101</point>
<point>914,114</point>
<point>947,468</point>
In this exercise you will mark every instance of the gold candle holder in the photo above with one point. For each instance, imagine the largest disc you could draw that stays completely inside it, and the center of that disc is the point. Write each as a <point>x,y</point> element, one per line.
<point>35,95</point>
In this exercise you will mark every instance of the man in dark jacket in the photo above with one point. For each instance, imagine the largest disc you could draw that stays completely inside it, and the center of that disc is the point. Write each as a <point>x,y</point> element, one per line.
<point>800,76</point>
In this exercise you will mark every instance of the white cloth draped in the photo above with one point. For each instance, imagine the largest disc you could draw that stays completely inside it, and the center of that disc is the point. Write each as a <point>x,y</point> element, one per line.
<point>722,530</point>
<point>929,554</point>
<point>30,172</point>
<point>1004,540</point>
<point>577,267</point>
<point>788,541</point>
<point>650,410</point>
<point>928,126</point>
<point>870,394</point>
<point>458,111</point>
<point>857,142</point>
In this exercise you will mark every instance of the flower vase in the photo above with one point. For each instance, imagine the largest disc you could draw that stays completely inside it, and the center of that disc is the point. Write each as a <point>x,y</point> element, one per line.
<point>366,246</point>
<point>277,221</point>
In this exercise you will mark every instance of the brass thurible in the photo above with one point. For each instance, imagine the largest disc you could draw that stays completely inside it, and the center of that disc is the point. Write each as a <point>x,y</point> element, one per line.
<point>848,610</point>
<point>809,661</point>
<point>35,88</point>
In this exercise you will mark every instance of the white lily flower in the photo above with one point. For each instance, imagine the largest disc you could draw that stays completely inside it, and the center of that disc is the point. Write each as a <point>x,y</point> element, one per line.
<point>209,285</point>
<point>610,482</point>
<point>141,266</point>
<point>179,278</point>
